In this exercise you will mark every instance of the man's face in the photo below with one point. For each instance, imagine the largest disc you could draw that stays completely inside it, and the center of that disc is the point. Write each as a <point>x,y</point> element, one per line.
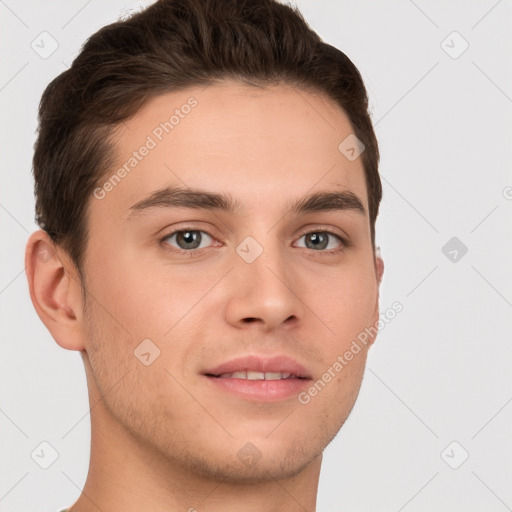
<point>265,280</point>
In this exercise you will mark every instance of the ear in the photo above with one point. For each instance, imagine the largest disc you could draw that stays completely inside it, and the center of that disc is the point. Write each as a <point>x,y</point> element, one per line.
<point>379,265</point>
<point>55,290</point>
<point>379,271</point>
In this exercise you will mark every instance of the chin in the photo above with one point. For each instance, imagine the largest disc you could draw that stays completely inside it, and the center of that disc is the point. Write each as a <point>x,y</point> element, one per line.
<point>253,461</point>
<point>266,469</point>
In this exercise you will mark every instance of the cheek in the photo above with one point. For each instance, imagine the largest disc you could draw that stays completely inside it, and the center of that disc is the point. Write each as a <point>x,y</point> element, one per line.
<point>346,302</point>
<point>333,394</point>
<point>108,348</point>
<point>136,295</point>
<point>121,363</point>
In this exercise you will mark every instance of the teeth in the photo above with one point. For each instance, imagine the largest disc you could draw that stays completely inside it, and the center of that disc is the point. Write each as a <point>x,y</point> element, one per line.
<point>274,375</point>
<point>255,376</point>
<point>250,375</point>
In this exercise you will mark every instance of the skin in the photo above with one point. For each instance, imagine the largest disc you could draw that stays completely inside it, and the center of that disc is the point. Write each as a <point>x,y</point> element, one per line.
<point>163,438</point>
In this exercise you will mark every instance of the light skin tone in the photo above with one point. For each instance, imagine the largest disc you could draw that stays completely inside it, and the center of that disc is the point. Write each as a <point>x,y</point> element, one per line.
<point>164,436</point>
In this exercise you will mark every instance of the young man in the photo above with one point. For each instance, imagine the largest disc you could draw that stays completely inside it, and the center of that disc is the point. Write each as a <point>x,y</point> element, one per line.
<point>207,187</point>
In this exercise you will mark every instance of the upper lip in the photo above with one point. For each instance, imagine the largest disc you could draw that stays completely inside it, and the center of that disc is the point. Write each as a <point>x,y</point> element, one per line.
<point>279,363</point>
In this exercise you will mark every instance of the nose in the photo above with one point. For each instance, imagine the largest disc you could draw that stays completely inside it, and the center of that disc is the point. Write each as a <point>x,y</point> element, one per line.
<point>263,293</point>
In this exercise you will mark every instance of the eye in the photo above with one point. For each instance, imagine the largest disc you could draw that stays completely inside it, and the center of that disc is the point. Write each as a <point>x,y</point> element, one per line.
<point>322,241</point>
<point>188,239</point>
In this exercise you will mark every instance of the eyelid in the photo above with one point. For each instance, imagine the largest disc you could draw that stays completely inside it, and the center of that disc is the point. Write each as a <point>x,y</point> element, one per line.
<point>327,229</point>
<point>190,226</point>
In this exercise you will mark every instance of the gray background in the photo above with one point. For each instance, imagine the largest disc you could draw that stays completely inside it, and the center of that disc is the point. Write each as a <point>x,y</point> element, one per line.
<point>439,372</point>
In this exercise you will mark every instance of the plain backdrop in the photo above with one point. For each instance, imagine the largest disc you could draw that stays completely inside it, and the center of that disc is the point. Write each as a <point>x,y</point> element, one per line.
<point>431,427</point>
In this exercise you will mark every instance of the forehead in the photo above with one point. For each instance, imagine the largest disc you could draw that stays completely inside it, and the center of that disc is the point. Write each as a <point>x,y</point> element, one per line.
<point>276,142</point>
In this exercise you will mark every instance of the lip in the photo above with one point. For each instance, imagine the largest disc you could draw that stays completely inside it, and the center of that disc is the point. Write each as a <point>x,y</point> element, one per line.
<point>279,363</point>
<point>260,390</point>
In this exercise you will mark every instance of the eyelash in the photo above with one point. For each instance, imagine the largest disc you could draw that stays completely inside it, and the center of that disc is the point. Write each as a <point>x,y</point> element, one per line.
<point>344,244</point>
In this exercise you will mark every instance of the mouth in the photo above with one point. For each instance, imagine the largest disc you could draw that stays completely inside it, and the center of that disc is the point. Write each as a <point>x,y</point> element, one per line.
<point>260,379</point>
<point>254,375</point>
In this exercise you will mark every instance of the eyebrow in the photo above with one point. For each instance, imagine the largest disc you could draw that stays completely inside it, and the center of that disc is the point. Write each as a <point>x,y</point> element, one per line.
<point>176,197</point>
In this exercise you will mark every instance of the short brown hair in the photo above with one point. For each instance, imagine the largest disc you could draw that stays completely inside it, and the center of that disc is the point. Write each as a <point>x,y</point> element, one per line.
<point>172,45</point>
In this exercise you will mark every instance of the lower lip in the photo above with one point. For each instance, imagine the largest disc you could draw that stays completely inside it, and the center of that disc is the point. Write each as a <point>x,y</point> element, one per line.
<point>261,390</point>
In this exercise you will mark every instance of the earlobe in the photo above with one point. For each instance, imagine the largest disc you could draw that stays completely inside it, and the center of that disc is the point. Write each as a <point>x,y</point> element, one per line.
<point>54,290</point>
